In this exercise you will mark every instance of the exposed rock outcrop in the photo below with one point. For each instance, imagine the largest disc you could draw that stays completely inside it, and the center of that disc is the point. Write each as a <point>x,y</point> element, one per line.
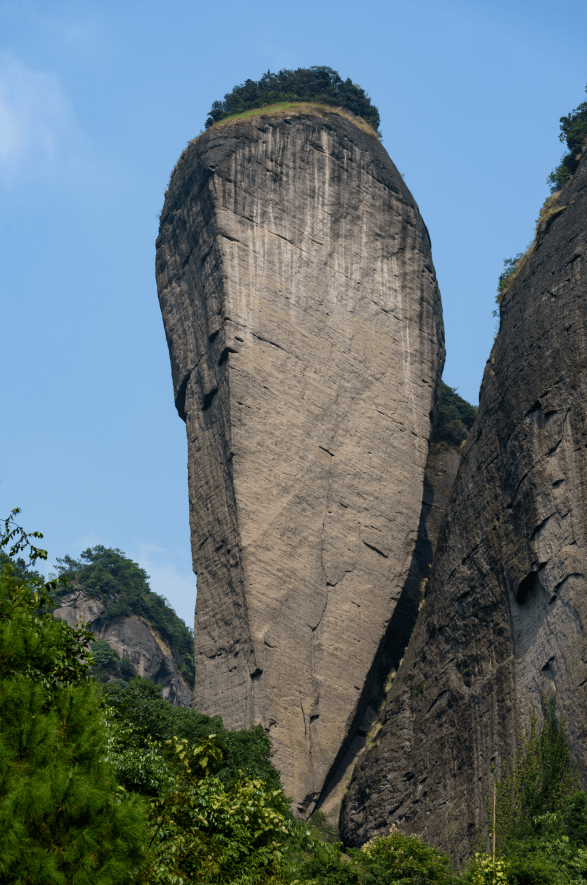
<point>504,617</point>
<point>133,638</point>
<point>305,332</point>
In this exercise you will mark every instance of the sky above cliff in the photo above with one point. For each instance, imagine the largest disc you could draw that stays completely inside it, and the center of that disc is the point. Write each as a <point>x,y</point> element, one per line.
<point>97,101</point>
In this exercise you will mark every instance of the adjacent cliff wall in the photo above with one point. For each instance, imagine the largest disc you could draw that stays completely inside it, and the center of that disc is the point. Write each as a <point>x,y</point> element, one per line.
<point>507,603</point>
<point>305,333</point>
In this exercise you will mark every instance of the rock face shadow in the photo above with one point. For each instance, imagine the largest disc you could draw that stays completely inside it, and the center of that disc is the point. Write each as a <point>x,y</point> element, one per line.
<point>441,469</point>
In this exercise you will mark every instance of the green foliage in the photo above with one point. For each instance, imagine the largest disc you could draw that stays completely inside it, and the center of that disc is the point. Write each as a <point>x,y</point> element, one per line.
<point>318,83</point>
<point>111,576</point>
<point>546,855</point>
<point>107,662</point>
<point>312,855</point>
<point>401,858</point>
<point>510,265</point>
<point>484,870</point>
<point>62,816</point>
<point>209,832</point>
<point>573,133</point>
<point>150,718</point>
<point>455,417</point>
<point>540,780</point>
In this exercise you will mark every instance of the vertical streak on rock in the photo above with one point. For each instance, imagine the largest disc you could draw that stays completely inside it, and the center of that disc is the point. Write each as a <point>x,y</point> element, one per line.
<point>505,615</point>
<point>305,333</point>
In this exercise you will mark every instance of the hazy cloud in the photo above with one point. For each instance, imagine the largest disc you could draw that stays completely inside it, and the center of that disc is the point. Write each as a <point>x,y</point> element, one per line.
<point>38,132</point>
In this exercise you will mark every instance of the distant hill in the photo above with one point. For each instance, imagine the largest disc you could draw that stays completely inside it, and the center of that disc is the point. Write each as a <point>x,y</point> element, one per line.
<point>455,417</point>
<point>137,632</point>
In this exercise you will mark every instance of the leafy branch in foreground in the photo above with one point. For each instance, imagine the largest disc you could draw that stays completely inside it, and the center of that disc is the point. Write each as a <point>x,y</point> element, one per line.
<point>62,816</point>
<point>205,831</point>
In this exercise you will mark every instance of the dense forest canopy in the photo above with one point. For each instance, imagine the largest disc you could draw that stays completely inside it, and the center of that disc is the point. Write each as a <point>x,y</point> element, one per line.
<point>318,83</point>
<point>123,585</point>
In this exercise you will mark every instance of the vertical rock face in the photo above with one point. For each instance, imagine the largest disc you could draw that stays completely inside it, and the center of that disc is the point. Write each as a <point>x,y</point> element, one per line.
<point>504,618</point>
<point>305,333</point>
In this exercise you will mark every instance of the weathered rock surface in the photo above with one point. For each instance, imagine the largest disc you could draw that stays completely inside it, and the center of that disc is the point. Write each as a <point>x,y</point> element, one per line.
<point>504,617</point>
<point>133,638</point>
<point>441,470</point>
<point>305,332</point>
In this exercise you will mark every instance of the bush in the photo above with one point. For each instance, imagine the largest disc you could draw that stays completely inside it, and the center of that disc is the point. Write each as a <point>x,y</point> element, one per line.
<point>510,265</point>
<point>208,832</point>
<point>400,858</point>
<point>151,720</point>
<point>573,133</point>
<point>318,84</point>
<point>107,663</point>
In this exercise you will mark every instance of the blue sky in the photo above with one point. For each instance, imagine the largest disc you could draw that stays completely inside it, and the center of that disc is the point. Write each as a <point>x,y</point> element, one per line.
<point>97,101</point>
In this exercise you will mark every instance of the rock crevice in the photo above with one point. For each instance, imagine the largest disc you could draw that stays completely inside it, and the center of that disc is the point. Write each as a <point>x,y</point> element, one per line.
<point>503,619</point>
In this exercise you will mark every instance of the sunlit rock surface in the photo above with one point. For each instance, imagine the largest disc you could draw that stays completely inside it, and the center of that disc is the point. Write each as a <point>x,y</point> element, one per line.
<point>305,332</point>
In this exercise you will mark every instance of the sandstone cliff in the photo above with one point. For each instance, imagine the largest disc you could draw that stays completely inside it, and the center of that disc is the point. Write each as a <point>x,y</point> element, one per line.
<point>304,326</point>
<point>505,612</point>
<point>133,638</point>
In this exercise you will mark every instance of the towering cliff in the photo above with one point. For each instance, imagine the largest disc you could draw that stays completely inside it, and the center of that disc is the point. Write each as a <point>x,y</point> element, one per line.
<point>504,617</point>
<point>304,327</point>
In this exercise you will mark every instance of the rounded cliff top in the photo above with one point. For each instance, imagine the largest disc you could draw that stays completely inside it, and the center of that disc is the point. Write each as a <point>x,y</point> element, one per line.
<point>317,84</point>
<point>281,110</point>
<point>293,109</point>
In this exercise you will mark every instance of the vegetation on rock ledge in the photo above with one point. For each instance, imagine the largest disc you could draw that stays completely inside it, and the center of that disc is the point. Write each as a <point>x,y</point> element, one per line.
<point>316,84</point>
<point>574,133</point>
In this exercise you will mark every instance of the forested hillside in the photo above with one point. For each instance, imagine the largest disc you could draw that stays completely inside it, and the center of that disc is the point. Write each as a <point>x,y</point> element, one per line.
<point>121,587</point>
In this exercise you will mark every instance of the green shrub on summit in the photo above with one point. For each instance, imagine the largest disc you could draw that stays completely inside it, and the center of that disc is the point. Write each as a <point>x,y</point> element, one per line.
<point>318,84</point>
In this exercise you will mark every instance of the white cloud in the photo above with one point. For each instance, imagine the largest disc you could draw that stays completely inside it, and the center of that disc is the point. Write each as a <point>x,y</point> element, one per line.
<point>39,136</point>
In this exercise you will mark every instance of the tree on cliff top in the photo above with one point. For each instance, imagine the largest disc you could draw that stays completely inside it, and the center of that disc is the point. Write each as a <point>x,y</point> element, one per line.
<point>318,83</point>
<point>573,133</point>
<point>109,575</point>
<point>455,417</point>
